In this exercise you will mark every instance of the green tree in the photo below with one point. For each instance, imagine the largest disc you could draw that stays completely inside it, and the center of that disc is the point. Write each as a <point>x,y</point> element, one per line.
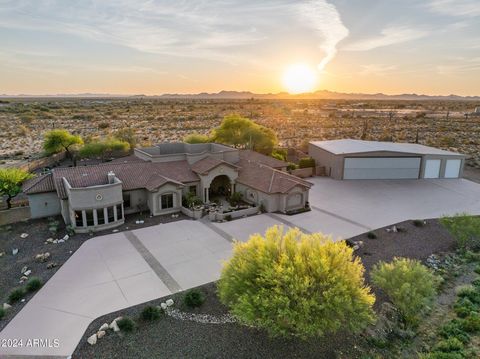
<point>296,284</point>
<point>241,132</point>
<point>61,140</point>
<point>126,135</point>
<point>11,180</point>
<point>196,138</point>
<point>409,284</point>
<point>104,148</point>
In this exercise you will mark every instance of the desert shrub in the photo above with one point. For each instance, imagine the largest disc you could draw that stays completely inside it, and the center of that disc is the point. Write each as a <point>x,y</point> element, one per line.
<point>471,293</point>
<point>191,200</point>
<point>34,284</point>
<point>291,166</point>
<point>471,323</point>
<point>151,313</point>
<point>465,229</point>
<point>477,269</point>
<point>463,307</point>
<point>454,329</point>
<point>371,235</point>
<point>410,285</point>
<point>306,162</point>
<point>235,198</point>
<point>449,345</point>
<point>296,284</point>
<point>126,324</point>
<point>476,283</point>
<point>2,312</point>
<point>418,223</point>
<point>15,295</point>
<point>194,298</point>
<point>228,217</point>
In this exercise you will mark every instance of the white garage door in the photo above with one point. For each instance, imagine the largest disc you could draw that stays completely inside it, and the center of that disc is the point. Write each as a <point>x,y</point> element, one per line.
<point>452,168</point>
<point>432,169</point>
<point>381,168</point>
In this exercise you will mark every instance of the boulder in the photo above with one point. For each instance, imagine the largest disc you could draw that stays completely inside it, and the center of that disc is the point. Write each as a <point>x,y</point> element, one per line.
<point>24,235</point>
<point>169,302</point>
<point>92,340</point>
<point>163,306</point>
<point>28,272</point>
<point>103,327</point>
<point>52,265</point>
<point>114,326</point>
<point>66,237</point>
<point>15,251</point>
<point>60,241</point>
<point>24,269</point>
<point>6,306</point>
<point>101,334</point>
<point>49,240</point>
<point>2,254</point>
<point>23,279</point>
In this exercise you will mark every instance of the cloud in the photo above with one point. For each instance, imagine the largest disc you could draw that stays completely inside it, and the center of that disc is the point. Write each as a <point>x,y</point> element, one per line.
<point>220,30</point>
<point>388,36</point>
<point>462,8</point>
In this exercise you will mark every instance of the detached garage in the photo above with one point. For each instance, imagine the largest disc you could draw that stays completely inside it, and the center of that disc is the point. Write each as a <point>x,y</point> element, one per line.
<point>356,159</point>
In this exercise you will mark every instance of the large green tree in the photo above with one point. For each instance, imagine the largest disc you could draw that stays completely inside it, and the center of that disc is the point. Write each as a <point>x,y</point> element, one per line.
<point>296,284</point>
<point>196,138</point>
<point>11,180</point>
<point>126,135</point>
<point>241,132</point>
<point>104,148</point>
<point>61,140</point>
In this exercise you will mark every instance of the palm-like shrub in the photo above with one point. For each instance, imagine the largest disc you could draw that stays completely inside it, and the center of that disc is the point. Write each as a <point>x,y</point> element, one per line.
<point>409,284</point>
<point>296,284</point>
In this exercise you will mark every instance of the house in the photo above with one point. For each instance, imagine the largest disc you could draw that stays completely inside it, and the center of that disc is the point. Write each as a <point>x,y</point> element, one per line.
<point>154,179</point>
<point>357,159</point>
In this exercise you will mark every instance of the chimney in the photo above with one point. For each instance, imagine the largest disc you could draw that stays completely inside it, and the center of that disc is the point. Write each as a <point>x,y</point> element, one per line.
<point>111,177</point>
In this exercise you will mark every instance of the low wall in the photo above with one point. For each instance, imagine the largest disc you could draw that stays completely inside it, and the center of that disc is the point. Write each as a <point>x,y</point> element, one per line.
<point>14,215</point>
<point>303,172</point>
<point>216,216</point>
<point>197,214</point>
<point>34,164</point>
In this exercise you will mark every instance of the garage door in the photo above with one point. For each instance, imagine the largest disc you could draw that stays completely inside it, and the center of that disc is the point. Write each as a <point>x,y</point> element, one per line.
<point>452,168</point>
<point>432,169</point>
<point>382,168</point>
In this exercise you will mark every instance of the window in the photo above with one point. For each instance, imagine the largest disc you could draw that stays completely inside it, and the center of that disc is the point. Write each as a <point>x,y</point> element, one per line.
<point>110,214</point>
<point>167,201</point>
<point>126,200</point>
<point>119,212</point>
<point>89,214</point>
<point>78,219</point>
<point>192,189</point>
<point>101,216</point>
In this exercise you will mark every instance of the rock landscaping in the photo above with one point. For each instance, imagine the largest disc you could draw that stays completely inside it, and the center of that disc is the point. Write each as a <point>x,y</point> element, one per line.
<point>209,330</point>
<point>38,248</point>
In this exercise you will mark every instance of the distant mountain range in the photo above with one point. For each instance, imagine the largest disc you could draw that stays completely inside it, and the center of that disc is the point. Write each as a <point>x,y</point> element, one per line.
<point>243,95</point>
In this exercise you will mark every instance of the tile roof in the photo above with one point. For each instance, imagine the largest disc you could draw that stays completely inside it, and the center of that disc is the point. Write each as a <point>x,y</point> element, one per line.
<point>268,179</point>
<point>206,164</point>
<point>133,175</point>
<point>39,184</point>
<point>260,158</point>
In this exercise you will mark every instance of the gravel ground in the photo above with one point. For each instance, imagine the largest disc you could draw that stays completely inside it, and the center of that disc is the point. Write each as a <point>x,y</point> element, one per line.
<point>38,232</point>
<point>172,338</point>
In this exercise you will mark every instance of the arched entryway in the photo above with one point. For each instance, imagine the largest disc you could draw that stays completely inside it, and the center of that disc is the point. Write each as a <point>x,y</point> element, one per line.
<point>220,187</point>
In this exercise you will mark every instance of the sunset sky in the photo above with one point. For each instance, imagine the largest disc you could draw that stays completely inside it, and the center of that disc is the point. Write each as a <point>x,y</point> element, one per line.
<point>154,47</point>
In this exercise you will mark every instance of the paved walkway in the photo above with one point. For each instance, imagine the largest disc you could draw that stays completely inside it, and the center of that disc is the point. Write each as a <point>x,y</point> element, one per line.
<point>120,270</point>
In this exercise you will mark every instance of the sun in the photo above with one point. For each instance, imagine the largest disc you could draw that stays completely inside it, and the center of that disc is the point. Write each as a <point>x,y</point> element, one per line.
<point>299,78</point>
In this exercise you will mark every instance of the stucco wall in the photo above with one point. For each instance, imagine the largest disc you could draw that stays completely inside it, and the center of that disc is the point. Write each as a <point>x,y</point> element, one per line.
<point>44,204</point>
<point>14,215</point>
<point>154,199</point>
<point>271,202</point>
<point>138,200</point>
<point>89,197</point>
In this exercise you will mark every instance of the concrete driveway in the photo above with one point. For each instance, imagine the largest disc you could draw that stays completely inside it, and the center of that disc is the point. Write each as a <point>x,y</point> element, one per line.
<point>119,270</point>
